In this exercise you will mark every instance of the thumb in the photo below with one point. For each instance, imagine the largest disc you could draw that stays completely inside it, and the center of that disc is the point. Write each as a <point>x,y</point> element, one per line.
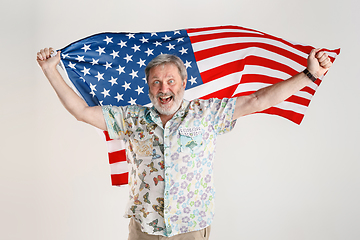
<point>313,52</point>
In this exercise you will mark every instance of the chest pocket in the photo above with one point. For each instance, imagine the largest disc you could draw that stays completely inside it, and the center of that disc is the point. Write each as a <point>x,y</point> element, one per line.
<point>190,138</point>
<point>142,145</point>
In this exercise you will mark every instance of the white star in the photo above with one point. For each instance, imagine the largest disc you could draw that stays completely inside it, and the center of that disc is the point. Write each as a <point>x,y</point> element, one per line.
<point>119,97</point>
<point>92,93</point>
<point>72,65</point>
<point>92,87</point>
<point>144,40</point>
<point>122,44</point>
<point>176,32</point>
<point>136,48</point>
<point>149,52</point>
<point>157,43</point>
<point>105,92</point>
<point>107,65</point>
<point>95,62</point>
<point>187,64</point>
<point>86,47</point>
<point>64,55</point>
<point>192,80</point>
<point>108,40</point>
<point>128,58</point>
<point>101,103</point>
<point>132,101</point>
<point>134,74</point>
<point>80,58</point>
<point>99,76</point>
<point>100,50</point>
<point>126,85</point>
<point>120,69</point>
<point>166,38</point>
<point>114,54</point>
<point>113,81</point>
<point>183,50</point>
<point>180,39</point>
<point>170,46</point>
<point>145,79</point>
<point>86,71</point>
<point>139,90</point>
<point>130,35</point>
<point>141,62</point>
<point>153,34</point>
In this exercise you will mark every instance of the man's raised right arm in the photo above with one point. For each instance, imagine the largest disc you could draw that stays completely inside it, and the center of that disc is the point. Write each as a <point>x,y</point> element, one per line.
<point>71,101</point>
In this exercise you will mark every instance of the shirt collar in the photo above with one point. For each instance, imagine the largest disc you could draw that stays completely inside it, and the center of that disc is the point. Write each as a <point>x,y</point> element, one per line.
<point>153,113</point>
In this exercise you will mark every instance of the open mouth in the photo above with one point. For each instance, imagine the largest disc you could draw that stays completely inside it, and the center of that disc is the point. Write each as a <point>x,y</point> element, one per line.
<point>165,99</point>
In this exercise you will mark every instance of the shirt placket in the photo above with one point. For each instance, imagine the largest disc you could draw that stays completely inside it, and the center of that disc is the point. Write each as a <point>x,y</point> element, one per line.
<point>167,154</point>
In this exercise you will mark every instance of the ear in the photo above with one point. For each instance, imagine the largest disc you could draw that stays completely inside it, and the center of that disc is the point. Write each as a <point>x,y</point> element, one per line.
<point>184,83</point>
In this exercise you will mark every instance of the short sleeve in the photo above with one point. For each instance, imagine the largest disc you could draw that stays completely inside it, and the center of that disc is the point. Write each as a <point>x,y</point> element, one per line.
<point>222,112</point>
<point>114,118</point>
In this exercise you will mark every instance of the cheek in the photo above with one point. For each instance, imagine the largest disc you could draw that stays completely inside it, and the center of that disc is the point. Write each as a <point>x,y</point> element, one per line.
<point>152,91</point>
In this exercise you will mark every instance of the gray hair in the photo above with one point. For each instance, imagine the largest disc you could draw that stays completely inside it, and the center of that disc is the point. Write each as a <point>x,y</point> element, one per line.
<point>166,59</point>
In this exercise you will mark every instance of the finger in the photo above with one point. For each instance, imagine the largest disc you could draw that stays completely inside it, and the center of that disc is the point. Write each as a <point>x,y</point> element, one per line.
<point>326,63</point>
<point>39,56</point>
<point>47,52</point>
<point>322,57</point>
<point>42,55</point>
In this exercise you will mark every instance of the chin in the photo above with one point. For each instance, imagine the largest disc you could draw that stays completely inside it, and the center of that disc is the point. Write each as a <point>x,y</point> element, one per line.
<point>170,110</point>
<point>171,107</point>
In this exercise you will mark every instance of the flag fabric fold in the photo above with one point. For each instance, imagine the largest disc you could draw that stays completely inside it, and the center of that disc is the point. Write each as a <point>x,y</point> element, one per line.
<point>223,61</point>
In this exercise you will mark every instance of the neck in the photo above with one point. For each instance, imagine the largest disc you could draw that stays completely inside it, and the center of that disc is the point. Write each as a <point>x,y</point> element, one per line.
<point>165,118</point>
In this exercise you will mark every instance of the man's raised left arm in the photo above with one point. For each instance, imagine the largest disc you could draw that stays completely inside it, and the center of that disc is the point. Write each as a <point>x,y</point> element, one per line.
<point>318,64</point>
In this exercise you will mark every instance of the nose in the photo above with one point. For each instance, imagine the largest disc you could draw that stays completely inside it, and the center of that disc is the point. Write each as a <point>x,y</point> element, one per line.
<point>164,87</point>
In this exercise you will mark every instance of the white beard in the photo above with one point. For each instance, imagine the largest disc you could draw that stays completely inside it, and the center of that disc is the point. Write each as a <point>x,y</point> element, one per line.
<point>171,109</point>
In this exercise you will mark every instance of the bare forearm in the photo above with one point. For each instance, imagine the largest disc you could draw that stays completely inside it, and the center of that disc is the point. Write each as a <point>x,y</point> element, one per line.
<point>275,94</point>
<point>318,64</point>
<point>71,101</point>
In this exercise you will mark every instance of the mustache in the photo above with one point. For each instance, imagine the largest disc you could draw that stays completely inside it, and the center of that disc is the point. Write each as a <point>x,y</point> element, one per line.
<point>166,94</point>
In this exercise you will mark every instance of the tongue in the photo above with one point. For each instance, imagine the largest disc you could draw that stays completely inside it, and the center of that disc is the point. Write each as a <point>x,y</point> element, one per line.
<point>165,100</point>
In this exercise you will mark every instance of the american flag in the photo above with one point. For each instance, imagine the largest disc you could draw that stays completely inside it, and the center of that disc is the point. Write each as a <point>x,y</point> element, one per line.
<point>223,61</point>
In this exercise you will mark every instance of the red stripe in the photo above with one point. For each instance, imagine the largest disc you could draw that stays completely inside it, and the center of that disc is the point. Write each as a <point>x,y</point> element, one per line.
<point>119,179</point>
<point>195,30</point>
<point>107,137</point>
<point>238,66</point>
<point>204,37</point>
<point>223,70</point>
<point>223,93</point>
<point>203,54</point>
<point>118,156</point>
<point>292,116</point>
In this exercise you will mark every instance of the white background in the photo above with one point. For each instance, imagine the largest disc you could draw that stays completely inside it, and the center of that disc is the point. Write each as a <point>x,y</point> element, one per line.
<point>275,179</point>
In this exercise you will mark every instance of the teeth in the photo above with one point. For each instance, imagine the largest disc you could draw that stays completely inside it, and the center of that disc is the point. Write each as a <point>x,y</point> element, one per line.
<point>165,97</point>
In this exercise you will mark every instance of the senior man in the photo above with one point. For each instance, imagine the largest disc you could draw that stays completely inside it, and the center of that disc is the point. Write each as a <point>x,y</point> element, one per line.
<point>171,145</point>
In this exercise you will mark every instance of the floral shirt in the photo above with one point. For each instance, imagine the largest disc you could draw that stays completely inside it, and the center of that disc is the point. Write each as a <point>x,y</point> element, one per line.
<point>171,183</point>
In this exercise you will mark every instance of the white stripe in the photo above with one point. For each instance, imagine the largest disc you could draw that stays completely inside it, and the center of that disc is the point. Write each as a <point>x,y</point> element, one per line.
<point>212,86</point>
<point>203,45</point>
<point>119,168</point>
<point>115,145</point>
<point>214,61</point>
<point>292,107</point>
<point>222,31</point>
<point>235,78</point>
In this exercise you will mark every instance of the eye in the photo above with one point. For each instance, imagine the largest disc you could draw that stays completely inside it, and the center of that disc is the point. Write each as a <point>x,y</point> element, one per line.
<point>171,81</point>
<point>156,82</point>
